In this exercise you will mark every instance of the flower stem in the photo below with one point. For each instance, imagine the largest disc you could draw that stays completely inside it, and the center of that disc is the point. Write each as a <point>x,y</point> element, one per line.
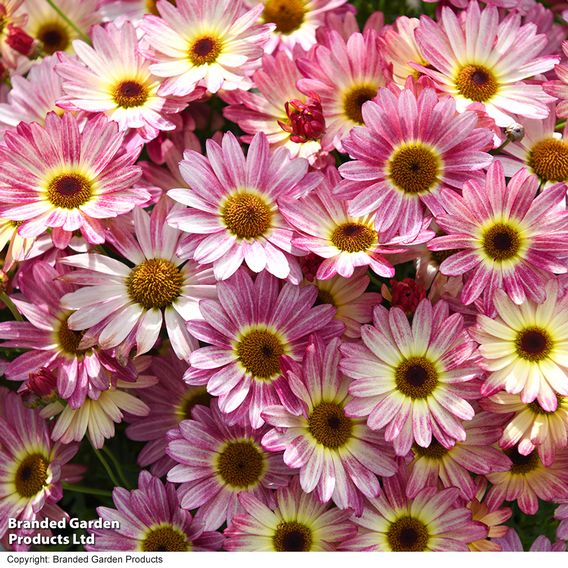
<point>69,22</point>
<point>107,467</point>
<point>117,466</point>
<point>86,490</point>
<point>10,305</point>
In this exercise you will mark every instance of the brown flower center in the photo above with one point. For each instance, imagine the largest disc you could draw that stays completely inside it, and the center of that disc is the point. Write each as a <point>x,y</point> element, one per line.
<point>501,242</point>
<point>533,343</point>
<point>194,396</point>
<point>549,160</point>
<point>205,50</point>
<point>155,283</point>
<point>31,475</point>
<point>477,83</point>
<point>408,535</point>
<point>414,169</point>
<point>416,377</point>
<point>241,464</point>
<point>129,94</point>
<point>166,539</point>
<point>328,424</point>
<point>522,464</point>
<point>54,36</point>
<point>355,99</point>
<point>247,215</point>
<point>353,237</point>
<point>288,15</point>
<point>69,339</point>
<point>259,352</point>
<point>291,536</point>
<point>434,451</point>
<point>69,191</point>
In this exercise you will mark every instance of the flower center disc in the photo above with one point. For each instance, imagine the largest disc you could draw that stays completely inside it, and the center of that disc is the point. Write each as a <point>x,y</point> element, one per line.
<point>536,408</point>
<point>197,395</point>
<point>416,377</point>
<point>408,535</point>
<point>31,476</point>
<point>477,83</point>
<point>549,160</point>
<point>353,237</point>
<point>165,539</point>
<point>501,242</point>
<point>129,94</point>
<point>204,50</point>
<point>434,451</point>
<point>355,99</point>
<point>533,344</point>
<point>259,352</point>
<point>329,425</point>
<point>414,169</point>
<point>291,536</point>
<point>152,9</point>
<point>69,191</point>
<point>522,464</point>
<point>54,37</point>
<point>69,340</point>
<point>246,215</point>
<point>288,15</point>
<point>240,464</point>
<point>156,283</point>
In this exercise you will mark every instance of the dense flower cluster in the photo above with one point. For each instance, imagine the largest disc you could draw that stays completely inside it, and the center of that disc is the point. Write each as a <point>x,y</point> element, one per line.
<point>313,257</point>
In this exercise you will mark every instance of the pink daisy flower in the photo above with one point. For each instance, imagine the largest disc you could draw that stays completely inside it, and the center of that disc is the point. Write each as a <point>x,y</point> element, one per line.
<point>67,178</point>
<point>31,464</point>
<point>298,523</point>
<point>52,345</point>
<point>410,147</point>
<point>412,380</point>
<point>170,402</point>
<point>345,74</point>
<point>248,330</point>
<point>343,240</point>
<point>123,303</point>
<point>452,467</point>
<point>114,78</point>
<point>216,462</point>
<point>430,521</point>
<point>338,457</point>
<point>151,519</point>
<point>479,59</point>
<point>214,42</point>
<point>508,237</point>
<point>287,116</point>
<point>233,206</point>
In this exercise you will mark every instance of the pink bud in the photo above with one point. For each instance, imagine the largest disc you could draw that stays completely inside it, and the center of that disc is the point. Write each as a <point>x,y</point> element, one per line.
<point>306,120</point>
<point>407,294</point>
<point>42,383</point>
<point>19,40</point>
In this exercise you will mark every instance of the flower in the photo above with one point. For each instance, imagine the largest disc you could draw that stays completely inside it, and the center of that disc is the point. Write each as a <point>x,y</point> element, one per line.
<point>112,77</point>
<point>345,241</point>
<point>528,480</point>
<point>151,520</point>
<point>508,237</point>
<point>412,380</point>
<point>298,523</point>
<point>452,466</point>
<point>345,74</point>
<point>217,462</point>
<point>287,116</point>
<point>431,521</point>
<point>405,294</point>
<point>170,401</point>
<point>80,372</point>
<point>338,457</point>
<point>66,178</point>
<point>482,60</point>
<point>559,88</point>
<point>248,330</point>
<point>410,147</point>
<point>31,464</point>
<point>233,206</point>
<point>523,348</point>
<point>129,303</point>
<point>20,248</point>
<point>213,42</point>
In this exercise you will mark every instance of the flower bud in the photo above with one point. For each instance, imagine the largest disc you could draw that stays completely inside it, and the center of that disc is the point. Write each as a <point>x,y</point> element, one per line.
<point>306,120</point>
<point>407,294</point>
<point>20,41</point>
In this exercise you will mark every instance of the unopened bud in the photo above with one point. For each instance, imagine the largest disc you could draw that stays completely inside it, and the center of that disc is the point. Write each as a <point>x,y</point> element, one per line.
<point>40,387</point>
<point>20,41</point>
<point>306,120</point>
<point>407,294</point>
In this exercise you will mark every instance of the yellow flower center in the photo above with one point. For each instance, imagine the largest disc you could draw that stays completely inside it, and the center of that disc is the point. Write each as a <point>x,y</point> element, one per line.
<point>129,94</point>
<point>197,395</point>
<point>54,36</point>
<point>205,50</point>
<point>536,408</point>
<point>476,83</point>
<point>288,15</point>
<point>259,352</point>
<point>434,451</point>
<point>292,536</point>
<point>328,424</point>
<point>501,241</point>
<point>155,283</point>
<point>416,377</point>
<point>533,344</point>
<point>31,475</point>
<point>549,160</point>
<point>69,191</point>
<point>414,169</point>
<point>165,538</point>
<point>353,237</point>
<point>241,464</point>
<point>151,7</point>
<point>408,535</point>
<point>354,100</point>
<point>247,215</point>
<point>522,464</point>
